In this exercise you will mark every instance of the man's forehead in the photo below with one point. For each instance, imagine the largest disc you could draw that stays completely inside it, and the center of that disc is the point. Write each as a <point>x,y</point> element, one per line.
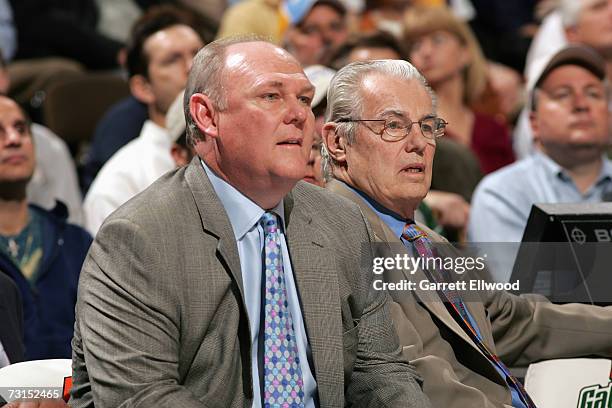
<point>9,108</point>
<point>264,63</point>
<point>396,96</point>
<point>256,53</point>
<point>164,36</point>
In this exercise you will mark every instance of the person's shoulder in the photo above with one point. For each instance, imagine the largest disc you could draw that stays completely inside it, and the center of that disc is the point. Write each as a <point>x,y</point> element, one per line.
<point>122,166</point>
<point>510,177</point>
<point>323,201</point>
<point>161,200</point>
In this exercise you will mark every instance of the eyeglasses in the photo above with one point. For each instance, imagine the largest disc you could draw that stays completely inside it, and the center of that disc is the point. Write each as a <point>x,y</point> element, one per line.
<point>394,130</point>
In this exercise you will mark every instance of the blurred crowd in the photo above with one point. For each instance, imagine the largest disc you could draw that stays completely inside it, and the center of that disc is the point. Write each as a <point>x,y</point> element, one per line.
<point>92,114</point>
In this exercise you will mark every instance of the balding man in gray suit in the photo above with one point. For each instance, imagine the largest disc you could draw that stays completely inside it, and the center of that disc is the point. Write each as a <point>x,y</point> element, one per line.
<point>226,285</point>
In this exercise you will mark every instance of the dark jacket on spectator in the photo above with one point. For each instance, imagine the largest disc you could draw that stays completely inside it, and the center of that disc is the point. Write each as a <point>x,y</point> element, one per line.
<point>11,318</point>
<point>48,302</point>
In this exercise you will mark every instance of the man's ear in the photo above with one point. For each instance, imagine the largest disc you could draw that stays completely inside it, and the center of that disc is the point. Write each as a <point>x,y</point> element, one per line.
<point>334,141</point>
<point>141,89</point>
<point>571,33</point>
<point>204,114</point>
<point>535,129</point>
<point>180,155</point>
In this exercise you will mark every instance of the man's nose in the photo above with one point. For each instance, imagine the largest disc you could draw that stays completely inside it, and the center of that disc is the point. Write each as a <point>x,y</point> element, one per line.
<point>415,141</point>
<point>12,138</point>
<point>580,102</point>
<point>297,112</point>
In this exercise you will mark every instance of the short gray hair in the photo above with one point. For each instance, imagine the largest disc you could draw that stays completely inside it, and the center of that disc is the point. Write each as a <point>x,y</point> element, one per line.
<point>345,100</point>
<point>206,77</point>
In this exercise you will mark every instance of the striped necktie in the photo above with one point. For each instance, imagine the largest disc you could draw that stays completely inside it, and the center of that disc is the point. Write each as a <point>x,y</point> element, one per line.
<point>283,381</point>
<point>416,236</point>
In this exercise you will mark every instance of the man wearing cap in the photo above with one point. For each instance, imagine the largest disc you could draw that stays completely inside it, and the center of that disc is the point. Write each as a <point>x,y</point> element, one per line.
<point>569,119</point>
<point>584,22</point>
<point>318,32</point>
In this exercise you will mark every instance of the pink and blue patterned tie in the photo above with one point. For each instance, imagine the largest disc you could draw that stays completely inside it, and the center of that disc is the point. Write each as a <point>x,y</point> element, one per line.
<point>283,382</point>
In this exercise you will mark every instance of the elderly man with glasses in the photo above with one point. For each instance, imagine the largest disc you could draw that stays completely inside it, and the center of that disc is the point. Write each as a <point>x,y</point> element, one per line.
<point>459,341</point>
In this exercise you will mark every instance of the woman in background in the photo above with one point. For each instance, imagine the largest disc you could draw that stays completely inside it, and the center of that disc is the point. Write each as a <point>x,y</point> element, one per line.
<point>446,52</point>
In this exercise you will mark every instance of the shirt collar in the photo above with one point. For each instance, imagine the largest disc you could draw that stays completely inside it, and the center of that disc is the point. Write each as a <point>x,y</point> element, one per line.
<point>393,220</point>
<point>153,132</point>
<point>555,169</point>
<point>243,213</point>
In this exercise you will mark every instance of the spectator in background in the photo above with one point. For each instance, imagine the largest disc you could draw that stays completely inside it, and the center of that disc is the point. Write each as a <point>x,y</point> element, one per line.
<point>318,35</point>
<point>320,77</point>
<point>383,15</point>
<point>159,62</point>
<point>11,316</point>
<point>157,69</point>
<point>255,17</point>
<point>39,250</point>
<point>181,151</point>
<point>587,22</point>
<point>55,177</point>
<point>569,117</point>
<point>446,52</point>
<point>367,47</point>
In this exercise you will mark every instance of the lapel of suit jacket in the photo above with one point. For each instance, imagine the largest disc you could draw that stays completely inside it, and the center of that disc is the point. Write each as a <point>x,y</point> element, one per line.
<point>317,285</point>
<point>214,219</point>
<point>385,235</point>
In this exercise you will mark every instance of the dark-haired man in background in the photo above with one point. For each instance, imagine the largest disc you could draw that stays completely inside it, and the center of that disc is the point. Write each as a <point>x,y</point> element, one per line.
<point>159,61</point>
<point>158,56</point>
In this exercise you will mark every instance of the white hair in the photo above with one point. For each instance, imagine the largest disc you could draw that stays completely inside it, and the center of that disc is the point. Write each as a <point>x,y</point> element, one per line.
<point>345,99</point>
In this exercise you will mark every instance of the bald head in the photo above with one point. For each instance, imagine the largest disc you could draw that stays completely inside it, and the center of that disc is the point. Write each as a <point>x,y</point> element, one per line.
<point>220,59</point>
<point>251,120</point>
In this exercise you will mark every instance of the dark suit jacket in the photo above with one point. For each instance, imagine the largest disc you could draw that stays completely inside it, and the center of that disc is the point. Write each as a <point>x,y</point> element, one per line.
<point>520,329</point>
<point>161,320</point>
<point>11,316</point>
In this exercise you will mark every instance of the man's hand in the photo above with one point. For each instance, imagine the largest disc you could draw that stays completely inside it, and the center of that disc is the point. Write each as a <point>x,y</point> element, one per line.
<point>450,209</point>
<point>41,403</point>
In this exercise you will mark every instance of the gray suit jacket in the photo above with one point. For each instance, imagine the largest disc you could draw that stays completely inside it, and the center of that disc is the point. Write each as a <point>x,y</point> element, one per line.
<point>520,329</point>
<point>161,320</point>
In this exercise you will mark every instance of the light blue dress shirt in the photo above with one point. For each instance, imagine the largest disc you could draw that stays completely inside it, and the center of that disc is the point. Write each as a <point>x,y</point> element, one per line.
<point>244,216</point>
<point>502,202</point>
<point>396,223</point>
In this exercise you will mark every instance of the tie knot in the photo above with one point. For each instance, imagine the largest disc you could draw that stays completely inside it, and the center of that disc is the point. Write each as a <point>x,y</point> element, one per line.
<point>269,223</point>
<point>412,232</point>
